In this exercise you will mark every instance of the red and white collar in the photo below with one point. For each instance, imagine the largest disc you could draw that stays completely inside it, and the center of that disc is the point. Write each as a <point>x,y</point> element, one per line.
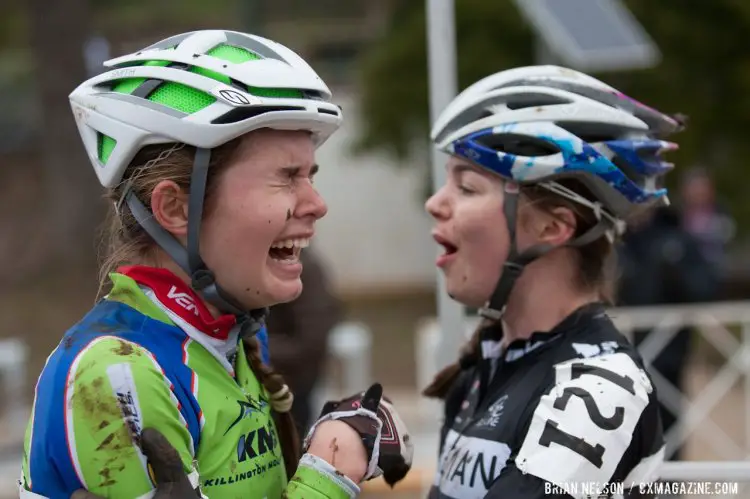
<point>181,299</point>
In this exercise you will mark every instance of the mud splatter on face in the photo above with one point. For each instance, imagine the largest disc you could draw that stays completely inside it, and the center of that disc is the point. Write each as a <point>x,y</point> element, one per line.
<point>288,214</point>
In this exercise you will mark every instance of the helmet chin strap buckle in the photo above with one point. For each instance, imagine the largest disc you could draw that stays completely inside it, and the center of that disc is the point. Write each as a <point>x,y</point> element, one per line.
<point>202,278</point>
<point>490,313</point>
<point>495,306</point>
<point>252,322</point>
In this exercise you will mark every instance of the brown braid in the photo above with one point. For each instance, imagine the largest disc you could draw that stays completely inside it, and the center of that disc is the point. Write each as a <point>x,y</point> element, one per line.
<point>291,446</point>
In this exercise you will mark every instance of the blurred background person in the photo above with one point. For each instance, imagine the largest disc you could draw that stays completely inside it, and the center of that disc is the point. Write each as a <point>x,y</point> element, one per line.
<point>705,218</point>
<point>661,263</point>
<point>298,335</point>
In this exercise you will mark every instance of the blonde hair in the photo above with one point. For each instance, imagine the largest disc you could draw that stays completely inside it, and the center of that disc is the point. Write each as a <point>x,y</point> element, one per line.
<point>124,241</point>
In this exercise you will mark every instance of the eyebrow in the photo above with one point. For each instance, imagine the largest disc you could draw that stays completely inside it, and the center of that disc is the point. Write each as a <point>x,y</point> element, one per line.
<point>461,168</point>
<point>289,171</point>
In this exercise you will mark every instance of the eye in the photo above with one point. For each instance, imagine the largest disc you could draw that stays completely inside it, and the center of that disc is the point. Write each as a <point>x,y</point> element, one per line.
<point>313,172</point>
<point>292,177</point>
<point>465,189</point>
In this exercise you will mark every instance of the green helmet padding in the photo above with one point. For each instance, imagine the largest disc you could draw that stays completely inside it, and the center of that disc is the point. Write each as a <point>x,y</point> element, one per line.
<point>187,99</point>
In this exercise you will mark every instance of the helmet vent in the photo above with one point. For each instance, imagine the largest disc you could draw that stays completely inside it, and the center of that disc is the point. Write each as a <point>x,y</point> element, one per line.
<point>636,177</point>
<point>524,101</point>
<point>592,132</point>
<point>519,145</point>
<point>244,113</point>
<point>328,111</point>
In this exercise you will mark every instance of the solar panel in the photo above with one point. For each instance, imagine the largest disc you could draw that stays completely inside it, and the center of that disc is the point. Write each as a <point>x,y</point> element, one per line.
<point>591,34</point>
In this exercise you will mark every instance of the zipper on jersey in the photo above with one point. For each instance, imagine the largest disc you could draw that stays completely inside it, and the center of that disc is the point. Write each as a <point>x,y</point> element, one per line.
<point>492,378</point>
<point>490,364</point>
<point>487,372</point>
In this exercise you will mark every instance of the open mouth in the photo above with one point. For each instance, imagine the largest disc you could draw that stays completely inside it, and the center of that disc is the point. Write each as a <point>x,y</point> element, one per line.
<point>288,250</point>
<point>449,247</point>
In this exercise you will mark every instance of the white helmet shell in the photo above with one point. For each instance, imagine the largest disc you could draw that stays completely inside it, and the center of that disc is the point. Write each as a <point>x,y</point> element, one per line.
<point>539,123</point>
<point>132,121</point>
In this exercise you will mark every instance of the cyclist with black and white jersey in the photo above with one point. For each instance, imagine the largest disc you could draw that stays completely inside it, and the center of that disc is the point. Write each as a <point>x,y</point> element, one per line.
<point>548,399</point>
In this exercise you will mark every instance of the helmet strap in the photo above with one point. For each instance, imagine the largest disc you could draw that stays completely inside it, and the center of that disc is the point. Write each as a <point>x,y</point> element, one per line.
<point>516,262</point>
<point>189,259</point>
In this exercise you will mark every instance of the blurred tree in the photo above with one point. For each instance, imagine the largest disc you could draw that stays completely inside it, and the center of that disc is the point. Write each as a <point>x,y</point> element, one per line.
<point>144,21</point>
<point>491,35</point>
<point>58,31</point>
<point>705,73</point>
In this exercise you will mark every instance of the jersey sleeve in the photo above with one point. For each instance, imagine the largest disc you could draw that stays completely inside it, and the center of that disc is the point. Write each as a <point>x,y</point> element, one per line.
<point>582,430</point>
<point>114,389</point>
<point>317,479</point>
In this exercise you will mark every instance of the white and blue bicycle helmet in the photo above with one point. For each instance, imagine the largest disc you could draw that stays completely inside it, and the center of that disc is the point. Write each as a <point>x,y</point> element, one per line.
<point>541,124</point>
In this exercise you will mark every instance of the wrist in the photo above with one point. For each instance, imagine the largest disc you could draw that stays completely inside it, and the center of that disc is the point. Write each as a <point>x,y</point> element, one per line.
<point>339,445</point>
<point>317,474</point>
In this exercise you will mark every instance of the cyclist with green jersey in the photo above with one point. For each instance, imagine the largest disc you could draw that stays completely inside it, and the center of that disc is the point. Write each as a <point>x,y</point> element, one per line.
<point>205,142</point>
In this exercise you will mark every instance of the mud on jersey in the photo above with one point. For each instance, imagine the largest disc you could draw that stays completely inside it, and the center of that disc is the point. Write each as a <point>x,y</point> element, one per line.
<point>127,366</point>
<point>572,407</point>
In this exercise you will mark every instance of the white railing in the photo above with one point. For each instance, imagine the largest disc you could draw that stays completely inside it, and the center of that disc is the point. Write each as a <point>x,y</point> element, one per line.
<point>349,344</point>
<point>15,409</point>
<point>13,361</point>
<point>722,471</point>
<point>712,322</point>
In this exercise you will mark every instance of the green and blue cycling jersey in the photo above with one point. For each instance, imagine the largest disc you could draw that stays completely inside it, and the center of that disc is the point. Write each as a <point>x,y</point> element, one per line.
<point>132,362</point>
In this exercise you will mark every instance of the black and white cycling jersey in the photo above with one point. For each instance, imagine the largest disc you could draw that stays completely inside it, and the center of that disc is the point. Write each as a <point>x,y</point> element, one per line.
<point>571,408</point>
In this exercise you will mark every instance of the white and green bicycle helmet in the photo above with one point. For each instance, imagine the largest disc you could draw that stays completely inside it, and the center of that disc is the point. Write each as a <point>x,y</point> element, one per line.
<point>203,89</point>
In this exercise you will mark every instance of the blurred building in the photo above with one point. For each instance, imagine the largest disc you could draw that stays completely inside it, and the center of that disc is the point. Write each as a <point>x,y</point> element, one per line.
<point>375,239</point>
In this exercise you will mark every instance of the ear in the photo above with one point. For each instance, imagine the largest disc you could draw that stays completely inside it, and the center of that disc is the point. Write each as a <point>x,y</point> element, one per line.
<point>557,227</point>
<point>169,204</point>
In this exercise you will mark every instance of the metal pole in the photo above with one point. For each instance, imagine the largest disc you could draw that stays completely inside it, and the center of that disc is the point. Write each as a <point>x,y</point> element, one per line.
<point>542,53</point>
<point>443,83</point>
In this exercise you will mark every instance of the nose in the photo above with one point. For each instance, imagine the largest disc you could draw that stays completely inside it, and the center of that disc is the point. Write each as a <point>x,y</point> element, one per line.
<point>438,206</point>
<point>311,203</point>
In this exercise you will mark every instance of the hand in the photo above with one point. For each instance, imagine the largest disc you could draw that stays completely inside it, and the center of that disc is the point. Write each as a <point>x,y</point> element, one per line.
<point>340,445</point>
<point>166,465</point>
<point>382,432</point>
